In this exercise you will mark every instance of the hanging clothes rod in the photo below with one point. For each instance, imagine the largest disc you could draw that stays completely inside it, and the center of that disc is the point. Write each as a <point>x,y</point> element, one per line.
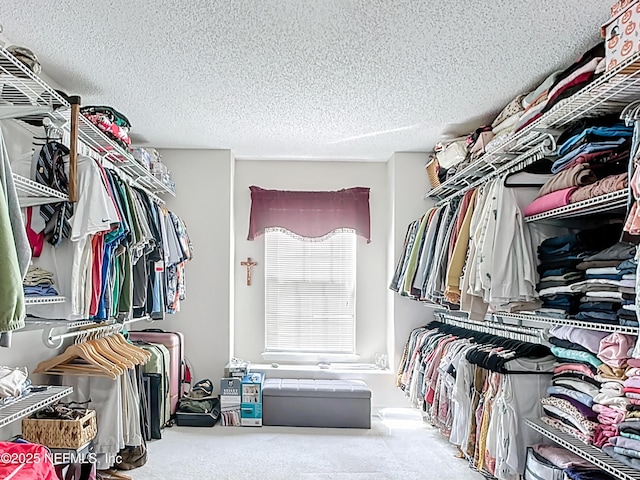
<point>528,334</point>
<point>55,341</point>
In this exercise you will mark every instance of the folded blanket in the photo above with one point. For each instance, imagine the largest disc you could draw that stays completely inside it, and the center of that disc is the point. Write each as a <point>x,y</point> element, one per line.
<point>573,397</point>
<point>589,339</point>
<point>613,387</point>
<point>610,416</point>
<point>569,412</point>
<point>561,457</point>
<point>557,199</point>
<point>624,442</point>
<point>575,355</point>
<point>611,373</point>
<point>573,368</point>
<point>606,399</point>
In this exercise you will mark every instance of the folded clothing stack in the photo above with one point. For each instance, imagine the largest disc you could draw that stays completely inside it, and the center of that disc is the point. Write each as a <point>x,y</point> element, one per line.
<point>38,282</point>
<point>565,83</point>
<point>610,295</point>
<point>593,161</point>
<point>561,282</point>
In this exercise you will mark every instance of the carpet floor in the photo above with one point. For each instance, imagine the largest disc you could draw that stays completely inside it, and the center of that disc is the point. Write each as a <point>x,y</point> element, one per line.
<point>400,448</point>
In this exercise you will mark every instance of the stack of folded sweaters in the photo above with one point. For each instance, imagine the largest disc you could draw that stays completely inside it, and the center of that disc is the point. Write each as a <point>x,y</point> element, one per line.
<point>624,445</point>
<point>574,386</point>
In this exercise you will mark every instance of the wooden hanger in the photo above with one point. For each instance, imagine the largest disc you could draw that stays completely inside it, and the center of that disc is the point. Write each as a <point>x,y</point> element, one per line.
<point>140,355</point>
<point>75,360</point>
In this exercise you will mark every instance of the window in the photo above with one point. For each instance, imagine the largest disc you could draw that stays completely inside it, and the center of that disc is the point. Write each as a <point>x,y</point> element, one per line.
<point>310,293</point>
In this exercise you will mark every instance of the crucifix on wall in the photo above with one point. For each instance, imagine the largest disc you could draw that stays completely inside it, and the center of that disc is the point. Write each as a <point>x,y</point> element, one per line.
<point>249,263</point>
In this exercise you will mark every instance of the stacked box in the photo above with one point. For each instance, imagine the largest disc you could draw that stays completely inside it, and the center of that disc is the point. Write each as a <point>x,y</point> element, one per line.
<point>236,368</point>
<point>230,389</point>
<point>251,401</point>
<point>622,35</point>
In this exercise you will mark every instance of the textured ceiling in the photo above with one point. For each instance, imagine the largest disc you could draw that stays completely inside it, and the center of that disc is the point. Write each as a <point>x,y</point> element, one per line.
<point>353,79</point>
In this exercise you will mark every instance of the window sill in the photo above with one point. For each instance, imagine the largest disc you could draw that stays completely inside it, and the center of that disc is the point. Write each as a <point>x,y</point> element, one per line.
<point>360,368</point>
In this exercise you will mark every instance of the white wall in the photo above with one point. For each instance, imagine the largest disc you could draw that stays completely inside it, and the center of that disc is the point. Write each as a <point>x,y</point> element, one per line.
<point>203,200</point>
<point>371,271</point>
<point>409,182</point>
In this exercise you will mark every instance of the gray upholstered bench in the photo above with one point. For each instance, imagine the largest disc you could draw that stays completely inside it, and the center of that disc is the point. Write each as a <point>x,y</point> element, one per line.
<point>297,402</point>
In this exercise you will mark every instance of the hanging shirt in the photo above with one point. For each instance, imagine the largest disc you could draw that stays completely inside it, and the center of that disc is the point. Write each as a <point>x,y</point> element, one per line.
<point>94,212</point>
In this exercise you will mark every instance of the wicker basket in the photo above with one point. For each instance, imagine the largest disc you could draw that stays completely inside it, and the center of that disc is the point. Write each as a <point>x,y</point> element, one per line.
<point>60,433</point>
<point>432,172</point>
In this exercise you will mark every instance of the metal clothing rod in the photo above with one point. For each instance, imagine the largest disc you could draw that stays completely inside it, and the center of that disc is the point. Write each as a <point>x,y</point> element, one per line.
<point>528,334</point>
<point>55,341</point>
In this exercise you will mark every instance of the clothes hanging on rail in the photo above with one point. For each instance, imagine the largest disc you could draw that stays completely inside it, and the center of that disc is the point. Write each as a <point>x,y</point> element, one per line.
<point>124,255</point>
<point>474,387</point>
<point>472,253</point>
<point>118,412</point>
<point>15,253</point>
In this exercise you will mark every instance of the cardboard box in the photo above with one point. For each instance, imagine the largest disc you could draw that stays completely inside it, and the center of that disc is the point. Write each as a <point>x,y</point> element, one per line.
<point>622,35</point>
<point>251,406</point>
<point>236,368</point>
<point>618,7</point>
<point>230,389</point>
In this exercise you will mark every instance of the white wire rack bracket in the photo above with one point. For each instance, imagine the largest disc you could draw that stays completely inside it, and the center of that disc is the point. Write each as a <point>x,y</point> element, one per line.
<point>31,403</point>
<point>32,188</point>
<point>545,146</point>
<point>40,300</point>
<point>588,452</point>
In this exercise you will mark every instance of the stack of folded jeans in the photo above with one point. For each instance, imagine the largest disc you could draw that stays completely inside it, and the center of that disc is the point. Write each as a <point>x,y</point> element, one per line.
<point>627,314</point>
<point>561,281</point>
<point>609,295</point>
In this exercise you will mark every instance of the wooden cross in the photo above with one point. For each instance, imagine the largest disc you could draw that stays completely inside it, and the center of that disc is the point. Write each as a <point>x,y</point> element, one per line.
<point>249,263</point>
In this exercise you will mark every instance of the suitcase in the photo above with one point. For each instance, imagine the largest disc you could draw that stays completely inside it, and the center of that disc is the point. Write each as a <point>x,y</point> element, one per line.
<point>158,365</point>
<point>174,341</point>
<point>153,391</point>
<point>186,419</point>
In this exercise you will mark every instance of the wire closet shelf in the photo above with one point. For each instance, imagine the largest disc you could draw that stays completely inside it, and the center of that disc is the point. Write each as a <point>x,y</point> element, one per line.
<point>588,452</point>
<point>608,94</point>
<point>19,87</point>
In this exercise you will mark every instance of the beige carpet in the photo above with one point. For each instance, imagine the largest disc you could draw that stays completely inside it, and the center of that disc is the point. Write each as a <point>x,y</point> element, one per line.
<point>399,447</point>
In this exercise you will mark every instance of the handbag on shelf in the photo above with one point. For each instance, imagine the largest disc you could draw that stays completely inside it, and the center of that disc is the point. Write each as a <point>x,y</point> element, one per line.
<point>452,154</point>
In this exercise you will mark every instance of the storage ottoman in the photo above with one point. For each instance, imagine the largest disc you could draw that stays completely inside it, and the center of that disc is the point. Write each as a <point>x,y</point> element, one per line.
<point>295,402</point>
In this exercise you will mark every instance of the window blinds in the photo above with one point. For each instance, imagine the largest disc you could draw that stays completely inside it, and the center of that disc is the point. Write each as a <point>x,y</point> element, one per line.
<point>310,293</point>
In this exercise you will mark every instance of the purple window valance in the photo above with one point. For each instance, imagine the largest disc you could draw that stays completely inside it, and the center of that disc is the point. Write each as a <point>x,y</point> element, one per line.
<point>310,214</point>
